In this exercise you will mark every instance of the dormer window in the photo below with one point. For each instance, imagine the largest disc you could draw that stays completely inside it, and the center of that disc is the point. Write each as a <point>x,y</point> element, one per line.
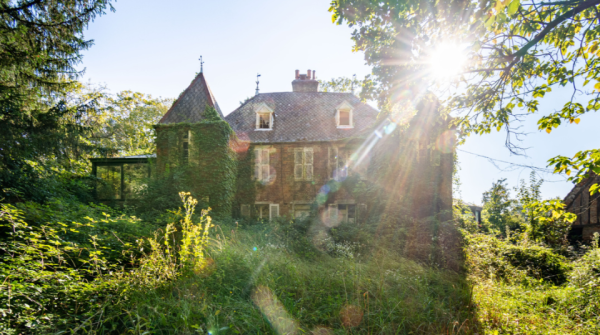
<point>264,118</point>
<point>344,116</point>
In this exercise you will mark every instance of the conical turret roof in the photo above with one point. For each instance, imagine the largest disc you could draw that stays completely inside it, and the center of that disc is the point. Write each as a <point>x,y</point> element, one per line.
<point>190,105</point>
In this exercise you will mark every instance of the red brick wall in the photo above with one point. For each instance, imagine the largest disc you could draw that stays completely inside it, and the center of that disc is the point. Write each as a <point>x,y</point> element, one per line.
<point>283,188</point>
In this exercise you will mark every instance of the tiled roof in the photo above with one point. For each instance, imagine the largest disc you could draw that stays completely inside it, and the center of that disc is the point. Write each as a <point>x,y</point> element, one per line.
<point>579,188</point>
<point>301,116</point>
<point>190,105</point>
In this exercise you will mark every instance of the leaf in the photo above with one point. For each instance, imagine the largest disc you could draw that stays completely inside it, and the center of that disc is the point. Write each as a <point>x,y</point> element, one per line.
<point>513,7</point>
<point>577,120</point>
<point>597,86</point>
<point>548,130</point>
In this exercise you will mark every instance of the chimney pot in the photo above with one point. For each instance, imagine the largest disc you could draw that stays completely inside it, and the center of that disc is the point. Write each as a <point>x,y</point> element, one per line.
<point>314,76</point>
<point>305,82</point>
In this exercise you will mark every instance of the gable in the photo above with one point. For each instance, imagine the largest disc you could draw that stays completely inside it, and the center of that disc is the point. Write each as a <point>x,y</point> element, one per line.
<point>190,105</point>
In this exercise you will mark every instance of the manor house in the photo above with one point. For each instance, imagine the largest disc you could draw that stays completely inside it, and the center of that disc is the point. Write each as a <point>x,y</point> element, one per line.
<point>300,153</point>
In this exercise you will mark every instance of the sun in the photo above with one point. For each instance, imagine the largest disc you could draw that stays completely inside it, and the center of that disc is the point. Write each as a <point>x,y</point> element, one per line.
<point>447,60</point>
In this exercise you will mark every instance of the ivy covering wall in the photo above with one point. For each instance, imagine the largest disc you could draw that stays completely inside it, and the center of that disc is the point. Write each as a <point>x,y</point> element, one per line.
<point>208,170</point>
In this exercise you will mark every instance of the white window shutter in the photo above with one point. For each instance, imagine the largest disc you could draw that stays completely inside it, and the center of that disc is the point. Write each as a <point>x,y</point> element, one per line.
<point>273,211</point>
<point>308,163</point>
<point>257,164</point>
<point>298,163</point>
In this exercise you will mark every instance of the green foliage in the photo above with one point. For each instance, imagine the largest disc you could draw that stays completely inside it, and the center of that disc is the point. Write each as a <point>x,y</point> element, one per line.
<point>550,223</point>
<point>464,217</point>
<point>61,275</point>
<point>539,262</point>
<point>525,281</point>
<point>208,172</point>
<point>124,124</point>
<point>256,285</point>
<point>39,130</point>
<point>341,85</point>
<point>516,53</point>
<point>500,212</point>
<point>46,273</point>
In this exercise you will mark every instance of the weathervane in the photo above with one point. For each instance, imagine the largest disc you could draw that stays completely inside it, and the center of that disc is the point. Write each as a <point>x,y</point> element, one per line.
<point>201,63</point>
<point>257,82</point>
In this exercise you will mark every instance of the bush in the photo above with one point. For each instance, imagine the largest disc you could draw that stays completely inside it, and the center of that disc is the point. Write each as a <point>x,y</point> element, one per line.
<point>491,257</point>
<point>539,262</point>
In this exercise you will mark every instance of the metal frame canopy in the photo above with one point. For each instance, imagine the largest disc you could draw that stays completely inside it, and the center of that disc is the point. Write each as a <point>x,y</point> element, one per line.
<point>118,174</point>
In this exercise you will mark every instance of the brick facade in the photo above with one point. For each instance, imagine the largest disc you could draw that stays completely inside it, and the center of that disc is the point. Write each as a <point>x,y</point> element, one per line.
<point>586,207</point>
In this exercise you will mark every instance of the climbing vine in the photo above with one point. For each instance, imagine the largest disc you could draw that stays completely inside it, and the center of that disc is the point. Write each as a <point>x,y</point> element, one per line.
<point>199,158</point>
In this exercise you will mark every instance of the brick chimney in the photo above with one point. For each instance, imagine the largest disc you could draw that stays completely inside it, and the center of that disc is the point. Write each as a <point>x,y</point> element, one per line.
<point>305,82</point>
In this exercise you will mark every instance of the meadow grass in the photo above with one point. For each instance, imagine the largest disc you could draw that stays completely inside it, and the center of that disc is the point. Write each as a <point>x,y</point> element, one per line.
<point>254,284</point>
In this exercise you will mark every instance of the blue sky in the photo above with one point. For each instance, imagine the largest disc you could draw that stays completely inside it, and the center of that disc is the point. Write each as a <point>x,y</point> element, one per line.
<point>153,47</point>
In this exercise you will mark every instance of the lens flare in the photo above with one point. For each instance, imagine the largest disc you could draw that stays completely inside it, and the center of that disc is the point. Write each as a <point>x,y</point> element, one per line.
<point>447,60</point>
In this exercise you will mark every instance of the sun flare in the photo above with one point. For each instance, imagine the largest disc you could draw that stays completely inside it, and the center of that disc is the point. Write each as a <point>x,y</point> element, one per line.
<point>447,60</point>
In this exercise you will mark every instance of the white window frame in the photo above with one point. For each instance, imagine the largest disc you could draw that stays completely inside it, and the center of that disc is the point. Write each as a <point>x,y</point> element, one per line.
<point>344,107</point>
<point>262,167</point>
<point>305,164</point>
<point>295,210</point>
<point>272,209</point>
<point>263,109</point>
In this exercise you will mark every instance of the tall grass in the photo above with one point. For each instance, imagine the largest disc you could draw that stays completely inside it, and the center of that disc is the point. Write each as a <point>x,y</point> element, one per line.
<point>256,281</point>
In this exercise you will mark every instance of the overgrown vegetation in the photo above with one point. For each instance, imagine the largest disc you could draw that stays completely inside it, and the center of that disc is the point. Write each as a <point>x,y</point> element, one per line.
<point>526,277</point>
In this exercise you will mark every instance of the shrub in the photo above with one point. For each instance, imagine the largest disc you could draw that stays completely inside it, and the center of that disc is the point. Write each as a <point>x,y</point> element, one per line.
<point>539,262</point>
<point>492,257</point>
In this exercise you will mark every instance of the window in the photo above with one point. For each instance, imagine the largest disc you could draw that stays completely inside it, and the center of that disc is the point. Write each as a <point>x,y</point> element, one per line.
<point>264,117</point>
<point>262,211</point>
<point>344,119</point>
<point>338,163</point>
<point>264,121</point>
<point>303,163</point>
<point>186,147</point>
<point>267,211</point>
<point>333,213</point>
<point>110,187</point>
<point>246,211</point>
<point>344,116</point>
<point>273,211</point>
<point>262,169</point>
<point>301,211</point>
<point>347,213</point>
<point>134,176</point>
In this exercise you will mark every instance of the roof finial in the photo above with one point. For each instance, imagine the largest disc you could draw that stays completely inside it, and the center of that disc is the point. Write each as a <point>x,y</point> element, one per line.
<point>257,82</point>
<point>201,64</point>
